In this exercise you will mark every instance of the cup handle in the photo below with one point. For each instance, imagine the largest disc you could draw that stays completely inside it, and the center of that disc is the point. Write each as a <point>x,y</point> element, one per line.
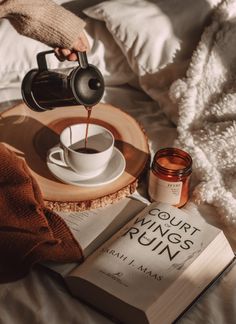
<point>52,159</point>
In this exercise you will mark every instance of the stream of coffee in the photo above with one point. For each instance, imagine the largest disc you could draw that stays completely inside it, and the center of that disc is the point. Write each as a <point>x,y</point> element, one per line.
<point>89,111</point>
<point>86,149</point>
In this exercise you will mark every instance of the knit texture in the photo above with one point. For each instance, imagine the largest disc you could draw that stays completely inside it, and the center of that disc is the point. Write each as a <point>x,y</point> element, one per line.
<point>206,101</point>
<point>43,20</point>
<point>30,233</point>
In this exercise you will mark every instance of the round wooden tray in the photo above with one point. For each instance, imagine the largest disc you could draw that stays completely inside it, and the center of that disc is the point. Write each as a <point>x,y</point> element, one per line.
<point>31,134</point>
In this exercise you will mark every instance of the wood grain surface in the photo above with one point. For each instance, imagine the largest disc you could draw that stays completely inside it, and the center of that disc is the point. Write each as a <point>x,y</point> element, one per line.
<point>31,134</point>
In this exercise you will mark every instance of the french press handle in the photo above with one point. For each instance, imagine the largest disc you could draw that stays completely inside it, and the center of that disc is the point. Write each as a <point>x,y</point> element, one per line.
<point>82,59</point>
<point>42,63</point>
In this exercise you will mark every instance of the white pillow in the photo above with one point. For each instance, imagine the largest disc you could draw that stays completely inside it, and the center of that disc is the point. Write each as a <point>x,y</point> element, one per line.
<point>157,37</point>
<point>142,31</point>
<point>107,56</point>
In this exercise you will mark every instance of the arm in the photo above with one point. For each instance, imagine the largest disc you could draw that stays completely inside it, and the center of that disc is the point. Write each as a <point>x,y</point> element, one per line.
<point>46,22</point>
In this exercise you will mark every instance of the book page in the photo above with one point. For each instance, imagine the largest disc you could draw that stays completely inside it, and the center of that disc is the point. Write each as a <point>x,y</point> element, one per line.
<point>148,254</point>
<point>93,227</point>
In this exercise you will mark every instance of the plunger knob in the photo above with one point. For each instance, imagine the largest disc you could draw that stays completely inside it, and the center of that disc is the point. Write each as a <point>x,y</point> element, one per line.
<point>94,84</point>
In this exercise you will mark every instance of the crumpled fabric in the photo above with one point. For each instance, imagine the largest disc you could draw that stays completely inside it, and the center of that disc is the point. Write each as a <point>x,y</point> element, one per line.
<point>29,232</point>
<point>206,101</point>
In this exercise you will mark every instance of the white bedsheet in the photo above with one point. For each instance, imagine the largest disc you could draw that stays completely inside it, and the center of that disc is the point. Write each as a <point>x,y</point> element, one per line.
<point>42,298</point>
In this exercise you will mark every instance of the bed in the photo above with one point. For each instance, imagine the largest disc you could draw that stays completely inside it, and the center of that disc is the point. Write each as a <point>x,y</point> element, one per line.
<point>140,62</point>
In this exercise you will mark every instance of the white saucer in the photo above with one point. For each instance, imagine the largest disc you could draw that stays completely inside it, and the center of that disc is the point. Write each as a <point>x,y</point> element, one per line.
<point>113,171</point>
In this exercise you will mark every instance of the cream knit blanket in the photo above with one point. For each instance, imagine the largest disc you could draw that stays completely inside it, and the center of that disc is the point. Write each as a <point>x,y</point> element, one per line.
<point>206,101</point>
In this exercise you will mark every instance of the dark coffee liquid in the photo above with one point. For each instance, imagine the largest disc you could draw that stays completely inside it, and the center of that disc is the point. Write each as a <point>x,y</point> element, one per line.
<point>86,150</point>
<point>89,110</point>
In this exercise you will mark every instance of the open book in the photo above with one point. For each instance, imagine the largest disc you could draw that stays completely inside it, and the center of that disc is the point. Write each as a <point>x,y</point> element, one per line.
<point>150,269</point>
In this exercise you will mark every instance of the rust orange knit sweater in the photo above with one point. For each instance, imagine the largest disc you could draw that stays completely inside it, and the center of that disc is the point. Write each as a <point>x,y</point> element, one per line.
<point>29,232</point>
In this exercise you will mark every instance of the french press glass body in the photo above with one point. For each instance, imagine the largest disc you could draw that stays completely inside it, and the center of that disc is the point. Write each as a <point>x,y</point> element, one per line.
<point>44,89</point>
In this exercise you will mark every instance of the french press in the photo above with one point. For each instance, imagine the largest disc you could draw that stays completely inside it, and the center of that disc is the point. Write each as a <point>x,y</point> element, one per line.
<point>43,89</point>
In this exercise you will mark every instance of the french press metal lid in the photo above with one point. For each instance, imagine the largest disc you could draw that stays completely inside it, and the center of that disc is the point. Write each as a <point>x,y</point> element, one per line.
<point>44,89</point>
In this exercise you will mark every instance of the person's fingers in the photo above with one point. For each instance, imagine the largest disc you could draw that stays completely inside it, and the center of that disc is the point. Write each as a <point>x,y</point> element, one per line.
<point>72,57</point>
<point>65,52</point>
<point>81,44</point>
<point>59,55</point>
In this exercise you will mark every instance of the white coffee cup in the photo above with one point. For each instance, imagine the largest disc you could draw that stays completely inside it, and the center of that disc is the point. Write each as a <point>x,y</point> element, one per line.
<point>73,153</point>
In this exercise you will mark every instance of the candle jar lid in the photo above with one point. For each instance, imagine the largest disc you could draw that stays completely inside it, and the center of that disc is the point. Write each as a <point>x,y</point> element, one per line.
<point>172,161</point>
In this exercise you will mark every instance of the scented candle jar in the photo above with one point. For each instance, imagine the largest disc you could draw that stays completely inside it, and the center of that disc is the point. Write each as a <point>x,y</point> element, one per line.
<point>169,177</point>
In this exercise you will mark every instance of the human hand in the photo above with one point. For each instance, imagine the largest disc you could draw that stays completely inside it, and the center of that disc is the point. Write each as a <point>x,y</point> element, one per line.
<point>81,44</point>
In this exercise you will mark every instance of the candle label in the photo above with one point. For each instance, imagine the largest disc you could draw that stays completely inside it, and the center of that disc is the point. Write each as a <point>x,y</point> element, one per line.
<point>164,191</point>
